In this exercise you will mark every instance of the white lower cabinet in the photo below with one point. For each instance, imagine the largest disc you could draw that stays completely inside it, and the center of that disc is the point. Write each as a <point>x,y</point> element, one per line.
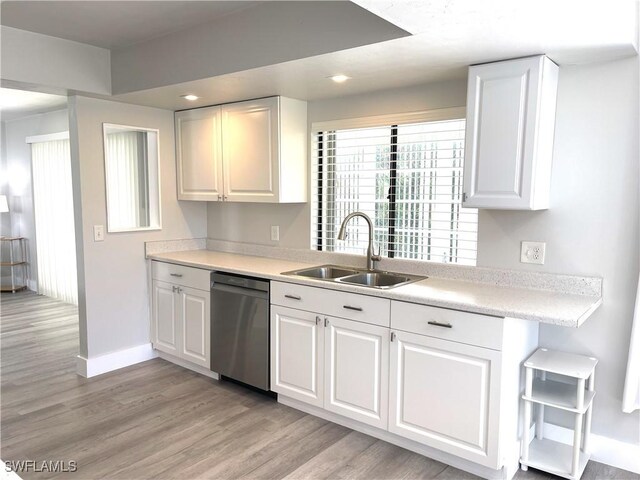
<point>356,358</point>
<point>195,317</point>
<point>165,317</point>
<point>445,395</point>
<point>443,379</point>
<point>339,364</point>
<point>181,313</point>
<point>297,339</point>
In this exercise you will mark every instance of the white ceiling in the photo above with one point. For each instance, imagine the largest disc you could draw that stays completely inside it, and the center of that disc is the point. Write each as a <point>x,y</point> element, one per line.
<point>19,103</point>
<point>113,24</point>
<point>454,35</point>
<point>448,36</point>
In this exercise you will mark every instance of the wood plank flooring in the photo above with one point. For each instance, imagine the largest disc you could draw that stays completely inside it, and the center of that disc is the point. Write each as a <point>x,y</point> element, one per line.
<point>156,420</point>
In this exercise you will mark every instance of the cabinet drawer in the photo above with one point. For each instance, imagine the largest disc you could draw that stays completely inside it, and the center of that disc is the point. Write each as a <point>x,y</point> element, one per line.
<point>363,308</point>
<point>181,275</point>
<point>464,327</point>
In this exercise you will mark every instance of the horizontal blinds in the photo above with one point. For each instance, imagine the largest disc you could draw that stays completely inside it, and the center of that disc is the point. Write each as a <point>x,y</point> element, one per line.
<point>420,166</point>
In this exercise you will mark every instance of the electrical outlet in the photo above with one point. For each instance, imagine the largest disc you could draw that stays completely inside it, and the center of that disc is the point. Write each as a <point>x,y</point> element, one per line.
<point>275,233</point>
<point>98,233</point>
<point>532,252</point>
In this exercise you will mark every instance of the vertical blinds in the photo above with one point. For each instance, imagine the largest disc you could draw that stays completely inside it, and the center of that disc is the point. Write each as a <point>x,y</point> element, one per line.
<point>128,185</point>
<point>407,178</point>
<point>55,229</point>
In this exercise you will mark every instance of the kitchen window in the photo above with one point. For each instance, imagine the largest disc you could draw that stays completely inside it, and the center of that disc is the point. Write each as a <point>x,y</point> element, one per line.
<point>405,172</point>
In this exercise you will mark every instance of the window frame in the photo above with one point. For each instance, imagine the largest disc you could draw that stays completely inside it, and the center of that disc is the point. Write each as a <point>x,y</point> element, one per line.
<point>319,166</point>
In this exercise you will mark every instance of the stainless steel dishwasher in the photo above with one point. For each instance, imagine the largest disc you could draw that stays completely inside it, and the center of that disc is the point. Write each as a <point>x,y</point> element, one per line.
<point>240,328</point>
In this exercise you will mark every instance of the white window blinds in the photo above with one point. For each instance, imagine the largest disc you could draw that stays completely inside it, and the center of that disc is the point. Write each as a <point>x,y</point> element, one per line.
<point>407,178</point>
<point>55,229</point>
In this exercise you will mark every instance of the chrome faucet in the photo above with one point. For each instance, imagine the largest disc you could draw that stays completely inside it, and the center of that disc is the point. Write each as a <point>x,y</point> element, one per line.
<point>371,257</point>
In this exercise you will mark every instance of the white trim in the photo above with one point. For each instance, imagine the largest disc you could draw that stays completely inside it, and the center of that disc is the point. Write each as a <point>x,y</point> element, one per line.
<point>50,137</point>
<point>155,201</point>
<point>457,462</point>
<point>451,113</point>
<point>603,449</point>
<point>90,367</point>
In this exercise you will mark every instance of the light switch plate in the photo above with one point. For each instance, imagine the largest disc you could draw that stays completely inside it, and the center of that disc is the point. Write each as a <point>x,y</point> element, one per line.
<point>532,252</point>
<point>275,233</point>
<point>98,233</point>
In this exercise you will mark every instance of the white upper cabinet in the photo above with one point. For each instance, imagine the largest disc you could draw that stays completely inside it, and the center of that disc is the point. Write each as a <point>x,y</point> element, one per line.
<point>253,151</point>
<point>199,154</point>
<point>250,150</point>
<point>509,136</point>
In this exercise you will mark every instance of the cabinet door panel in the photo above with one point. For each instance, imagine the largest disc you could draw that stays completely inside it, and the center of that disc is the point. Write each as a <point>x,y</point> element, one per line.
<point>250,150</point>
<point>297,355</point>
<point>199,154</point>
<point>165,321</point>
<point>357,371</point>
<point>195,318</point>
<point>445,395</point>
<point>501,134</point>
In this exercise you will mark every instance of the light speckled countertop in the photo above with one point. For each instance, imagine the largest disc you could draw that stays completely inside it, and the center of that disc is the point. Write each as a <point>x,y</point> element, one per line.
<point>528,304</point>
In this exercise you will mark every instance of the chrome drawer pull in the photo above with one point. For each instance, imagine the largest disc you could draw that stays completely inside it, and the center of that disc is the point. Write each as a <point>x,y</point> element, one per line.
<point>179,275</point>
<point>438,324</point>
<point>293,297</point>
<point>349,307</point>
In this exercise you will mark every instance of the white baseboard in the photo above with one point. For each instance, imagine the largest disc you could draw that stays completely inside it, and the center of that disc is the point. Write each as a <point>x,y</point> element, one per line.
<point>90,367</point>
<point>603,449</point>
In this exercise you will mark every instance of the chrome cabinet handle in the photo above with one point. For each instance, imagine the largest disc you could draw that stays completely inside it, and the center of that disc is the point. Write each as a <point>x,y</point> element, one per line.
<point>179,275</point>
<point>326,322</point>
<point>293,297</point>
<point>318,320</point>
<point>173,289</point>
<point>393,336</point>
<point>349,307</point>
<point>438,324</point>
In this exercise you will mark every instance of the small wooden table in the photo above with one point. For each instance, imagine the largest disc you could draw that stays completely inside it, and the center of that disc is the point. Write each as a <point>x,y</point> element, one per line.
<point>17,262</point>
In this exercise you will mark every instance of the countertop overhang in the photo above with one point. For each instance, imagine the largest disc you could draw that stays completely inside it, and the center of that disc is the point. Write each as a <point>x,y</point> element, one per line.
<point>568,310</point>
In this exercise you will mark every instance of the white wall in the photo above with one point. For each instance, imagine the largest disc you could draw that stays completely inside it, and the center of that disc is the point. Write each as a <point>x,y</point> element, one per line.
<point>112,286</point>
<point>18,167</point>
<point>592,225</point>
<point>54,63</point>
<point>252,222</point>
<point>590,229</point>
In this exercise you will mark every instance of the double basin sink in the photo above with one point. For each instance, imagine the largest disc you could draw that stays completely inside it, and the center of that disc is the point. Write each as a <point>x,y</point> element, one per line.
<point>365,278</point>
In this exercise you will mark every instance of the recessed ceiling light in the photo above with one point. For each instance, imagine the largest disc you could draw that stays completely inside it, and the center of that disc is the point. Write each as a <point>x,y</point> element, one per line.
<point>190,97</point>
<point>339,78</point>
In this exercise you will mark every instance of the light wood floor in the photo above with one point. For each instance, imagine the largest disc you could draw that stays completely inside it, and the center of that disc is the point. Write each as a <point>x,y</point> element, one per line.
<point>156,420</point>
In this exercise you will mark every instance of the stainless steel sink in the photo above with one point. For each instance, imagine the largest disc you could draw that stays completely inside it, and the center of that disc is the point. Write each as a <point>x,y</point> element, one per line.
<point>365,278</point>
<point>325,272</point>
<point>379,279</point>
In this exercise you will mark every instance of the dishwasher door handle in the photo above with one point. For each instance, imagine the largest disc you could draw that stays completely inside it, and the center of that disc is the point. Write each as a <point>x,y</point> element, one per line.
<point>219,287</point>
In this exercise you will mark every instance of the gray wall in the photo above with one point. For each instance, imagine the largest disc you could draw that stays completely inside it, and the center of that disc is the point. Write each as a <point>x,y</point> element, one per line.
<point>591,227</point>
<point>112,275</point>
<point>18,165</point>
<point>287,31</point>
<point>60,65</point>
